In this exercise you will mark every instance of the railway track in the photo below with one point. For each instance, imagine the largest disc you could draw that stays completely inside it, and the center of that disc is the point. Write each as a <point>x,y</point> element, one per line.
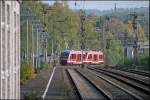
<point>84,79</point>
<point>85,88</point>
<point>139,72</point>
<point>135,77</point>
<point>72,82</point>
<point>128,79</point>
<point>134,71</point>
<point>127,88</point>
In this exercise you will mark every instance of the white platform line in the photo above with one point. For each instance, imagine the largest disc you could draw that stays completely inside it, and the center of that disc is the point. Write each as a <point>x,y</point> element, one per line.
<point>44,94</point>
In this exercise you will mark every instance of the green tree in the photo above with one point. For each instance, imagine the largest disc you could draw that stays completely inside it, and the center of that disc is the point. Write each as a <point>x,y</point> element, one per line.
<point>129,29</point>
<point>116,26</point>
<point>114,51</point>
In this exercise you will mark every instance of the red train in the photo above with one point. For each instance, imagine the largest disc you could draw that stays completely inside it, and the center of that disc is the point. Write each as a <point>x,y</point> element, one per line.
<point>79,57</point>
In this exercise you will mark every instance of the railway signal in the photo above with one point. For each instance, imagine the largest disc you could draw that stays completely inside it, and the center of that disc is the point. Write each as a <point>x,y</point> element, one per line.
<point>105,41</point>
<point>82,31</point>
<point>134,16</point>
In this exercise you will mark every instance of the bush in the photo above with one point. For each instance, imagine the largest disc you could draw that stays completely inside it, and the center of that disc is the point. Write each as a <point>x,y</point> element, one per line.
<point>44,66</point>
<point>143,60</point>
<point>27,72</point>
<point>129,62</point>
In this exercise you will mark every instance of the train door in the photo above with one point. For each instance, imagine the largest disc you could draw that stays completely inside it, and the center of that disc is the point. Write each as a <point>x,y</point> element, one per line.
<point>95,58</point>
<point>79,60</point>
<point>101,58</point>
<point>73,58</point>
<point>84,57</point>
<point>89,58</point>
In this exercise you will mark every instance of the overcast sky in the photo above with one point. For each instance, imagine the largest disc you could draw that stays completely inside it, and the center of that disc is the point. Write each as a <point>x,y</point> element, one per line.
<point>103,5</point>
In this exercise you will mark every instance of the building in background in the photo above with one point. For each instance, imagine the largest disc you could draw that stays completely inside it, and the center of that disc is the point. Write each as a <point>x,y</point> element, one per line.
<point>9,49</point>
<point>143,46</point>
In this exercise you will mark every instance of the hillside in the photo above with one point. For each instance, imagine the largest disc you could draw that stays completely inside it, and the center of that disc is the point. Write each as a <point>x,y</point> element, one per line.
<point>123,14</point>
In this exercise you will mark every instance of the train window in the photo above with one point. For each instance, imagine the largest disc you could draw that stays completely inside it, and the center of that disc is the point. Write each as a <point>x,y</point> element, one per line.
<point>84,56</point>
<point>86,53</point>
<point>100,56</point>
<point>95,57</point>
<point>79,56</point>
<point>64,55</point>
<point>73,56</point>
<point>90,56</point>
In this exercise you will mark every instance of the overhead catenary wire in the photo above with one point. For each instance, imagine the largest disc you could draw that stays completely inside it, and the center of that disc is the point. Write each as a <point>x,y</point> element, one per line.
<point>86,4</point>
<point>107,3</point>
<point>75,4</point>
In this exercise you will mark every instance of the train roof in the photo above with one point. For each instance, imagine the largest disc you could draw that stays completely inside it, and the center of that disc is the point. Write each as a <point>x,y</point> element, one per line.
<point>67,50</point>
<point>85,51</point>
<point>95,52</point>
<point>77,51</point>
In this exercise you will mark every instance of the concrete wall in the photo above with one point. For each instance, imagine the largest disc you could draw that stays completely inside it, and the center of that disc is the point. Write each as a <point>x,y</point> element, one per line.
<point>9,49</point>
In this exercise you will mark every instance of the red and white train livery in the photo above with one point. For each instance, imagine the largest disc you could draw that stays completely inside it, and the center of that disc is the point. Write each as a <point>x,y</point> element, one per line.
<point>79,57</point>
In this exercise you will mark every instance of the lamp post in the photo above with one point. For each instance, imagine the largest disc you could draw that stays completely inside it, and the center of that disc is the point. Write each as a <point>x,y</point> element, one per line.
<point>37,49</point>
<point>33,26</point>
<point>27,21</point>
<point>44,36</point>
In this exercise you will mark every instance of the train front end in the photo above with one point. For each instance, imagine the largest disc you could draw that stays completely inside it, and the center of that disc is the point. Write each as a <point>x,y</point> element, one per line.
<point>64,57</point>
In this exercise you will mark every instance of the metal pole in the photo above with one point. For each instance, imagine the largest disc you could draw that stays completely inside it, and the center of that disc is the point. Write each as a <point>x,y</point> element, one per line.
<point>136,40</point>
<point>134,16</point>
<point>106,40</point>
<point>37,51</point>
<point>44,37</point>
<point>46,50</point>
<point>104,47</point>
<point>82,19</point>
<point>32,46</point>
<point>125,48</point>
<point>52,50</point>
<point>44,47</point>
<point>27,40</point>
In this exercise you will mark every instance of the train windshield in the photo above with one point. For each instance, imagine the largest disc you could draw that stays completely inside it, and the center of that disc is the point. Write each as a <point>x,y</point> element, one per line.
<point>64,55</point>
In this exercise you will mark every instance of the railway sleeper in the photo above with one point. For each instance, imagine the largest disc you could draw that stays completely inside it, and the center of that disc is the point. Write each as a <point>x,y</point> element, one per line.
<point>132,83</point>
<point>138,94</point>
<point>85,89</point>
<point>111,91</point>
<point>132,76</point>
